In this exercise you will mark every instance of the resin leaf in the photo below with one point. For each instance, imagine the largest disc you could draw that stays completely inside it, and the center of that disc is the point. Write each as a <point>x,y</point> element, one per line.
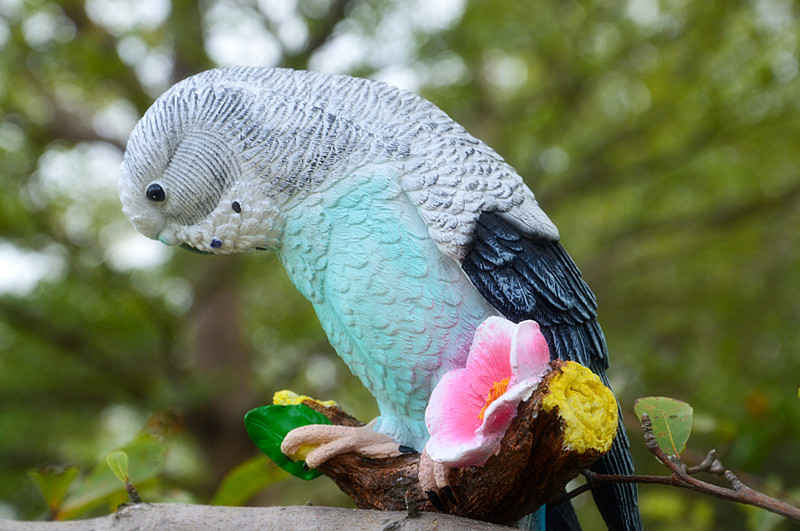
<point>267,426</point>
<point>672,421</point>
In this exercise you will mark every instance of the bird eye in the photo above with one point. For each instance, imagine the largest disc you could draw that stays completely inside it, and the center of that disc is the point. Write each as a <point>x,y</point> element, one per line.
<point>154,192</point>
<point>236,207</point>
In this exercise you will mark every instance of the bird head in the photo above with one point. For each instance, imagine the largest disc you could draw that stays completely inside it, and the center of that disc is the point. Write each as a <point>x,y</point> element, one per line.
<point>186,179</point>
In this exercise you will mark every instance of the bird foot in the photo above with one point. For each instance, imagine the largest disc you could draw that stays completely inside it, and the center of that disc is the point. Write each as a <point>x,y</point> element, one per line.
<point>329,441</point>
<point>434,481</point>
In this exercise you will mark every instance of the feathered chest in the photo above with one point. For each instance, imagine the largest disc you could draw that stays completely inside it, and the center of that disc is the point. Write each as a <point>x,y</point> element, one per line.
<point>398,311</point>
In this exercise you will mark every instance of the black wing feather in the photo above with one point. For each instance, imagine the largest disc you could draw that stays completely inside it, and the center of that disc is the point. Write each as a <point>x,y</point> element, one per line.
<point>529,278</point>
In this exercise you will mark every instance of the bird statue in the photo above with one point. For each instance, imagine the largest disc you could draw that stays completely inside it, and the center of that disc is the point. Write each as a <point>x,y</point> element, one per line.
<point>403,230</point>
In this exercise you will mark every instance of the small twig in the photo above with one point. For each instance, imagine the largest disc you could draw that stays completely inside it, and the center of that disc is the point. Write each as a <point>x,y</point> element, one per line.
<point>593,479</point>
<point>706,465</point>
<point>133,494</point>
<point>682,477</point>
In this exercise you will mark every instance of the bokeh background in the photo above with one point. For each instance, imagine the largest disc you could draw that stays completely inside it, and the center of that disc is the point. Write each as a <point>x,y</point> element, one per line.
<point>661,136</point>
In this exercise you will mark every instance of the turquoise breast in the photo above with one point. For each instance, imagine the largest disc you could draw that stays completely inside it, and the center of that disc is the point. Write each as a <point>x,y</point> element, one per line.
<point>398,311</point>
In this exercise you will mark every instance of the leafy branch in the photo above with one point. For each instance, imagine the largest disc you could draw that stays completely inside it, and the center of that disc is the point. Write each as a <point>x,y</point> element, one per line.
<point>118,463</point>
<point>682,476</point>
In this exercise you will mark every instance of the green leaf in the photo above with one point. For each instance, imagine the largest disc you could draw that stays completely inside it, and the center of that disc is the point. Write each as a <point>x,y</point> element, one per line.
<point>118,463</point>
<point>672,421</point>
<point>267,426</point>
<point>53,484</point>
<point>146,455</point>
<point>246,480</point>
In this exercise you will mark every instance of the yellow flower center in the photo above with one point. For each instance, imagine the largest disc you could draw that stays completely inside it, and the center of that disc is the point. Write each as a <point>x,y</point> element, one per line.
<point>497,390</point>
<point>588,408</point>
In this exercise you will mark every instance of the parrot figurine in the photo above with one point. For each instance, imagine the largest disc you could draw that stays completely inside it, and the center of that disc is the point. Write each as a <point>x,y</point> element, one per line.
<point>403,230</point>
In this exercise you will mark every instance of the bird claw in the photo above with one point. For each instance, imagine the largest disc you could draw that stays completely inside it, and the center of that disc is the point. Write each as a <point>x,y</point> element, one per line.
<point>433,480</point>
<point>330,441</point>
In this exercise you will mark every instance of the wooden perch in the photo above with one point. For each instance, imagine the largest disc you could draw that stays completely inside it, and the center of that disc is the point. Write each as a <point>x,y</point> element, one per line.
<point>531,468</point>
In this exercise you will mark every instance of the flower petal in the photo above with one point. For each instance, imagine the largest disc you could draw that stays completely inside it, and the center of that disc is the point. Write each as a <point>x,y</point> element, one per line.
<point>501,350</point>
<point>471,453</point>
<point>488,360</point>
<point>498,416</point>
<point>529,352</point>
<point>452,411</point>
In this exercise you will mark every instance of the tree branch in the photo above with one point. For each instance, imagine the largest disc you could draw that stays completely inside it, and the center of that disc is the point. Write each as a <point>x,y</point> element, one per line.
<point>185,516</point>
<point>682,477</point>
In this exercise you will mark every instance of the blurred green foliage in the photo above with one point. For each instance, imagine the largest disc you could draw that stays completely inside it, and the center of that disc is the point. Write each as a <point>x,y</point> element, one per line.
<point>660,135</point>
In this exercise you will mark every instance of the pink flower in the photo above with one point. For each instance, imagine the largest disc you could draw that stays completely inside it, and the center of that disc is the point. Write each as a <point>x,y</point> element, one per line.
<point>471,408</point>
